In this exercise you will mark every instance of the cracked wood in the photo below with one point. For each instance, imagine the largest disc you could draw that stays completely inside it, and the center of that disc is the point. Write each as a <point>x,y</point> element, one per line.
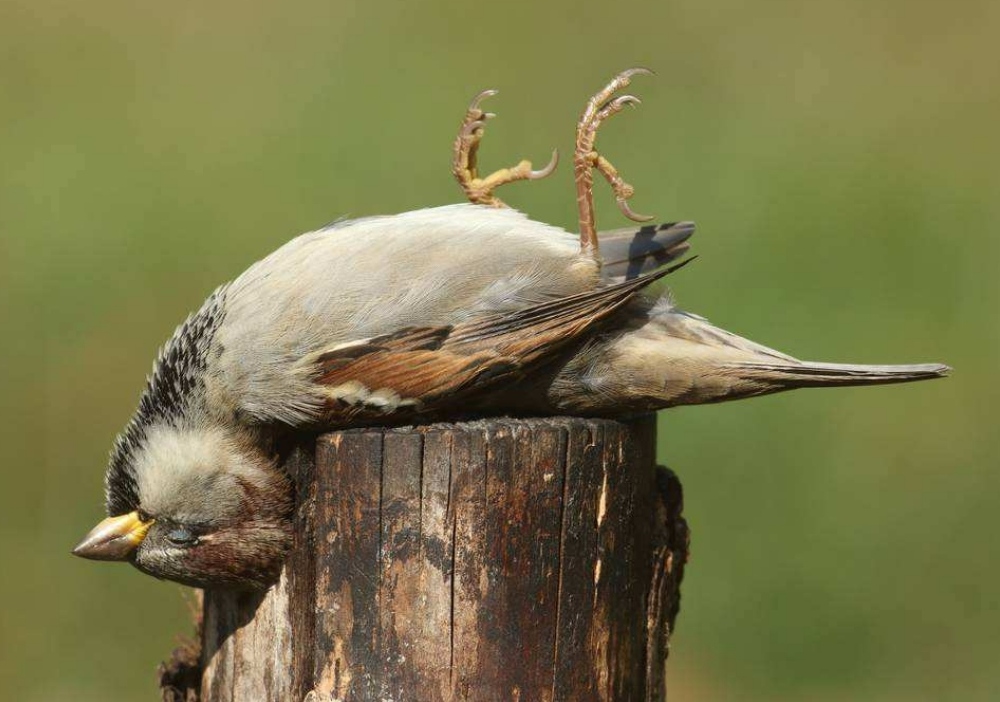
<point>501,559</point>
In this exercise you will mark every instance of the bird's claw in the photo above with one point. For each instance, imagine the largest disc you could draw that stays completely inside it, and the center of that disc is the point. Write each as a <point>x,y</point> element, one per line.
<point>627,210</point>
<point>586,159</point>
<point>479,190</point>
<point>477,101</point>
<point>617,105</point>
<point>548,169</point>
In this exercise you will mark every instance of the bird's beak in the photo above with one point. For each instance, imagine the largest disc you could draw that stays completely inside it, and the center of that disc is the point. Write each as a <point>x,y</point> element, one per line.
<point>114,539</point>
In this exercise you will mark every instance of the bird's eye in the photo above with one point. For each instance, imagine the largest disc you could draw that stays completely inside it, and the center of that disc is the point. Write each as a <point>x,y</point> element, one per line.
<point>181,537</point>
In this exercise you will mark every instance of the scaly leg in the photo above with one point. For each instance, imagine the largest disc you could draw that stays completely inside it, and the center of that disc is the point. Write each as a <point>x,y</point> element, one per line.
<point>466,149</point>
<point>586,159</point>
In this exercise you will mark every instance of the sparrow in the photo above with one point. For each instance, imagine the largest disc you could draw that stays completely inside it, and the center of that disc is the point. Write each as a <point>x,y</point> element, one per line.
<point>441,313</point>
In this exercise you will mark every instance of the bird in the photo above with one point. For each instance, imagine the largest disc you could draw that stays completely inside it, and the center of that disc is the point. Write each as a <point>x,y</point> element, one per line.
<point>443,313</point>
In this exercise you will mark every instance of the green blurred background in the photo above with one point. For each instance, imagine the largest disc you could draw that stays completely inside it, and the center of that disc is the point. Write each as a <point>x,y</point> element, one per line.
<point>841,159</point>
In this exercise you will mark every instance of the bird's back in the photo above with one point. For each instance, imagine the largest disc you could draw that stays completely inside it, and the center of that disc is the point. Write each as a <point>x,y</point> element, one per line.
<point>368,277</point>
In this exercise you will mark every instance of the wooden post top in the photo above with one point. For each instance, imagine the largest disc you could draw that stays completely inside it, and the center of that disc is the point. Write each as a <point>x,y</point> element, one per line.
<point>495,560</point>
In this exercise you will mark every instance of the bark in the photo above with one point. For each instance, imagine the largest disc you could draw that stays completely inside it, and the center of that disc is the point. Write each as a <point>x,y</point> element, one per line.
<point>502,559</point>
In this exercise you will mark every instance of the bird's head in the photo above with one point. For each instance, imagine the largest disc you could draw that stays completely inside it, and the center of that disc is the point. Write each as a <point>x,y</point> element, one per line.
<point>200,506</point>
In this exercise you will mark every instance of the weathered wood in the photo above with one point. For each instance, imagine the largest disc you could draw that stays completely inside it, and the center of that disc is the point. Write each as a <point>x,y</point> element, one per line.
<point>502,559</point>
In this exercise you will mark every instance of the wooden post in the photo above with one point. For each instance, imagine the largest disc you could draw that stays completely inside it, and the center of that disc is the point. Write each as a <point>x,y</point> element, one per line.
<point>495,560</point>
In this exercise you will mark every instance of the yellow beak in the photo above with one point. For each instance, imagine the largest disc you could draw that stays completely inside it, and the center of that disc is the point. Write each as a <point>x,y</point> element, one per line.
<point>114,539</point>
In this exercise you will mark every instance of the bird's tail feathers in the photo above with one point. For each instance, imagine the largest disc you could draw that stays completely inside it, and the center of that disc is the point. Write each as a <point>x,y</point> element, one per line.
<point>808,374</point>
<point>677,358</point>
<point>633,252</point>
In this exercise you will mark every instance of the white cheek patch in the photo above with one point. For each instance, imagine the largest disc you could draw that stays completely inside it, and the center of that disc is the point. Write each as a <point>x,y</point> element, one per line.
<point>189,473</point>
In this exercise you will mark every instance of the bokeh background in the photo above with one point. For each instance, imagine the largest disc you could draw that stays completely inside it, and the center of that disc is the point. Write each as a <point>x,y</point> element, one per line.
<point>841,159</point>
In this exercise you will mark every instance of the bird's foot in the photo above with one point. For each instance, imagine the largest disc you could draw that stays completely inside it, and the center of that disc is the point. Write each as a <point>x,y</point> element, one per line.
<point>586,159</point>
<point>478,190</point>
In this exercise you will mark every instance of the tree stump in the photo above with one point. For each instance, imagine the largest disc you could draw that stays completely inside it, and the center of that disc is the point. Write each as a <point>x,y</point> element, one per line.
<point>495,560</point>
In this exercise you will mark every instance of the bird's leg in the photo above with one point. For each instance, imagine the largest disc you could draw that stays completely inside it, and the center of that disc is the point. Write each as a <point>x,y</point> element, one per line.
<point>586,159</point>
<point>464,166</point>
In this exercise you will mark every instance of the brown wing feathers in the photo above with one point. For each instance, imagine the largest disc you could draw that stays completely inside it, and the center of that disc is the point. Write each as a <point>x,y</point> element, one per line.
<point>413,370</point>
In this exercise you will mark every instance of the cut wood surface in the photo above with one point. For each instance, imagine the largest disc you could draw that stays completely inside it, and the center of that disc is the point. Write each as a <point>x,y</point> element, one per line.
<point>495,560</point>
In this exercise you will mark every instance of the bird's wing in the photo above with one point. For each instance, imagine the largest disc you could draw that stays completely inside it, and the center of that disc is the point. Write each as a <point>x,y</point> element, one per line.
<point>433,370</point>
<point>629,253</point>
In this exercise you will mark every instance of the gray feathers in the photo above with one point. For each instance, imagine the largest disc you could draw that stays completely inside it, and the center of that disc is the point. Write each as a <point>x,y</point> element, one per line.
<point>250,352</point>
<point>372,277</point>
<point>629,253</point>
<point>433,314</point>
<point>254,354</point>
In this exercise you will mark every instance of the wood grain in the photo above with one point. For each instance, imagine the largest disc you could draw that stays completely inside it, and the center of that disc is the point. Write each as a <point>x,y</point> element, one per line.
<point>503,559</point>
